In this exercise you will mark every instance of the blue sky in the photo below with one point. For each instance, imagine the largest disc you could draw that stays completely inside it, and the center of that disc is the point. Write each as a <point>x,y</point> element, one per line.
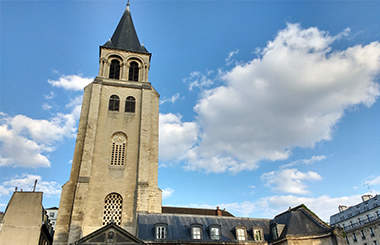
<point>264,104</point>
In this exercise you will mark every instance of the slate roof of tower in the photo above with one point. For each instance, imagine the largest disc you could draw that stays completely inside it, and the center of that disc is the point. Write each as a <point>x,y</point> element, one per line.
<point>125,36</point>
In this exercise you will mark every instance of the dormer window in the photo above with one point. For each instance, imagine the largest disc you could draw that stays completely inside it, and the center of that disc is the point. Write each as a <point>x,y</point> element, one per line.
<point>196,232</point>
<point>214,231</point>
<point>161,230</point>
<point>258,234</point>
<point>241,234</point>
<point>274,232</point>
<point>133,71</point>
<point>114,69</point>
<point>130,104</point>
<point>114,103</point>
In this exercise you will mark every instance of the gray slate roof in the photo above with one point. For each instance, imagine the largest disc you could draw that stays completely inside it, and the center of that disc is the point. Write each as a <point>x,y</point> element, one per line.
<point>178,226</point>
<point>299,221</point>
<point>125,36</point>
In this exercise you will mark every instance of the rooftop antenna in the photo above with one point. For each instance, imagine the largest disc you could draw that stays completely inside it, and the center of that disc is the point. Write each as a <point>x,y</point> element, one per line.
<point>369,187</point>
<point>35,184</point>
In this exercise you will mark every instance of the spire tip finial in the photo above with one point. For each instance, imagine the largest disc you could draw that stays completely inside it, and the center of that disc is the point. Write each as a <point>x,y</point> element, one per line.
<point>128,5</point>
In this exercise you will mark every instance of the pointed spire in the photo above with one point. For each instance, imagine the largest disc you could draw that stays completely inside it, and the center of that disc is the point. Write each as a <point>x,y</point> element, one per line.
<point>125,36</point>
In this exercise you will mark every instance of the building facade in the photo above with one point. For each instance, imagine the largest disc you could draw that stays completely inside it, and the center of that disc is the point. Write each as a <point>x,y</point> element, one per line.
<point>112,195</point>
<point>25,221</point>
<point>52,214</point>
<point>361,222</point>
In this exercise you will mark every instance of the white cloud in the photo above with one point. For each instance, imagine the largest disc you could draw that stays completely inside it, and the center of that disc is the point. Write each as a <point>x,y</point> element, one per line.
<point>176,137</point>
<point>71,82</point>
<point>172,99</point>
<point>310,161</point>
<point>290,180</point>
<point>167,192</point>
<point>24,141</point>
<point>375,181</point>
<point>324,206</point>
<point>26,183</point>
<point>229,59</point>
<point>293,95</point>
<point>199,80</point>
<point>269,207</point>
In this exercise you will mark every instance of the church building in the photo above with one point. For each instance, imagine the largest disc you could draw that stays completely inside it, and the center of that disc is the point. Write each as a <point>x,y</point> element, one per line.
<point>112,195</point>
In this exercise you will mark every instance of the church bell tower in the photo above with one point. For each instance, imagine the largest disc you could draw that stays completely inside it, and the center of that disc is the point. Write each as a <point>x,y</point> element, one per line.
<point>114,168</point>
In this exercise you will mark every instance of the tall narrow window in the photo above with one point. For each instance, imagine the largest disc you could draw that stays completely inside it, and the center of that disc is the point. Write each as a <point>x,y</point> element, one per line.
<point>196,232</point>
<point>133,71</point>
<point>215,233</point>
<point>114,69</point>
<point>130,104</point>
<point>240,234</point>
<point>114,103</point>
<point>160,232</point>
<point>113,205</point>
<point>258,235</point>
<point>119,142</point>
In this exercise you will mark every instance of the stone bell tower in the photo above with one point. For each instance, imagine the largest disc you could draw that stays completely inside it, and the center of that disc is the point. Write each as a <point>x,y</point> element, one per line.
<point>114,168</point>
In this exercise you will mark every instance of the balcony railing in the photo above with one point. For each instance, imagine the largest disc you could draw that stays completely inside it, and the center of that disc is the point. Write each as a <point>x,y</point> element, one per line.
<point>360,223</point>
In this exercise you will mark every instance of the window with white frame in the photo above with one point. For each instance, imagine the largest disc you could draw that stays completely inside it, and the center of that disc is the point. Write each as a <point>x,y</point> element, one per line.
<point>196,232</point>
<point>240,234</point>
<point>258,235</point>
<point>215,233</point>
<point>160,232</point>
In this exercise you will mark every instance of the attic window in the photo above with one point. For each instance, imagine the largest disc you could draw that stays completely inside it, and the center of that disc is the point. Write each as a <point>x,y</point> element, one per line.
<point>274,232</point>
<point>160,231</point>
<point>240,234</point>
<point>214,232</point>
<point>114,69</point>
<point>196,232</point>
<point>133,71</point>
<point>258,235</point>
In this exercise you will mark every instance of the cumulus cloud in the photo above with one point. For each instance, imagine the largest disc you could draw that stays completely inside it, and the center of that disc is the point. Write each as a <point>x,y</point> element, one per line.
<point>23,140</point>
<point>292,95</point>
<point>167,192</point>
<point>26,182</point>
<point>176,137</point>
<point>71,82</point>
<point>290,180</point>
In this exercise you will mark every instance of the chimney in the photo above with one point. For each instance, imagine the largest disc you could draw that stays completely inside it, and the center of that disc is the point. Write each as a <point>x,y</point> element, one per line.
<point>366,197</point>
<point>218,211</point>
<point>342,208</point>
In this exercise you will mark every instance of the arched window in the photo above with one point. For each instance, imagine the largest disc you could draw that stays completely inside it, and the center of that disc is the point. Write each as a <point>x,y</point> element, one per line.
<point>119,144</point>
<point>114,103</point>
<point>133,71</point>
<point>114,69</point>
<point>130,104</point>
<point>113,206</point>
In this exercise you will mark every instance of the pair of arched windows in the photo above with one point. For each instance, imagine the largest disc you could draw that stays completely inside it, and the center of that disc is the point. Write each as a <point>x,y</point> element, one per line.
<point>114,103</point>
<point>133,74</point>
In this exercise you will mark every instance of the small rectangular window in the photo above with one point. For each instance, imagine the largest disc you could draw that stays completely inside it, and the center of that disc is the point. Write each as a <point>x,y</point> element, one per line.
<point>363,236</point>
<point>258,235</point>
<point>215,233</point>
<point>51,215</point>
<point>196,233</point>
<point>240,233</point>
<point>160,232</point>
<point>371,230</point>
